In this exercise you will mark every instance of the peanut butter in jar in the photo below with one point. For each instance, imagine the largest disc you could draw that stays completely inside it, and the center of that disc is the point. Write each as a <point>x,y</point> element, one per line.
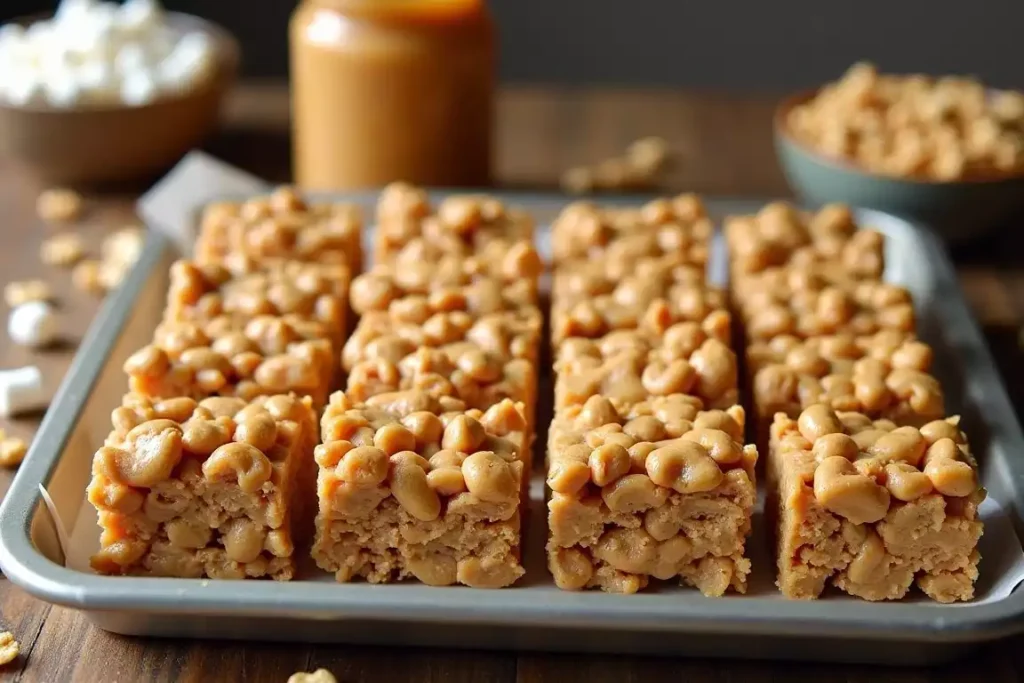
<point>386,90</point>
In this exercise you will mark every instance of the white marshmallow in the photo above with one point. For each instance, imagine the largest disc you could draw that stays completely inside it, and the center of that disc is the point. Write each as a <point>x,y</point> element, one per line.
<point>33,324</point>
<point>101,52</point>
<point>138,88</point>
<point>21,391</point>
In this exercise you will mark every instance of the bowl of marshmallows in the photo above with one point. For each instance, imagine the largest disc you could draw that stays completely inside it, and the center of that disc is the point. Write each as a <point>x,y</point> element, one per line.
<point>106,92</point>
<point>947,151</point>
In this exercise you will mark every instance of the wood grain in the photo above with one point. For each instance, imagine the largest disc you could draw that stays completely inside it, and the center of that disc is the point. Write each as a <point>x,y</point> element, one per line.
<point>724,148</point>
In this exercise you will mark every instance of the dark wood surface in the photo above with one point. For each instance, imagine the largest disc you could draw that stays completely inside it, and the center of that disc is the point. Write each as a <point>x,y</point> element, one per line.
<point>724,145</point>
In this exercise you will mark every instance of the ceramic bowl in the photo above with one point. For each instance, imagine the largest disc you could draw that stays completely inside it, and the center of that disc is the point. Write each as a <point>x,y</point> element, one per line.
<point>958,210</point>
<point>93,145</point>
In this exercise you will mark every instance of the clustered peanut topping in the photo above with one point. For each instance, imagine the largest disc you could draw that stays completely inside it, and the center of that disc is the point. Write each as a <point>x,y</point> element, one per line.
<point>282,226</point>
<point>633,454</point>
<point>269,356</point>
<point>677,227</point>
<point>600,315</point>
<point>858,466</point>
<point>421,450</point>
<point>413,296</point>
<point>773,307</point>
<point>506,335</point>
<point>640,167</point>
<point>237,441</point>
<point>508,260</point>
<point>461,370</point>
<point>210,294</point>
<point>887,373</point>
<point>781,235</point>
<point>460,225</point>
<point>634,282</point>
<point>629,366</point>
<point>915,126</point>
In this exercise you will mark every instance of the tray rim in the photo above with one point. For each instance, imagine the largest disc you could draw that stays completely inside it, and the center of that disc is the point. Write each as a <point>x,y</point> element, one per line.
<point>912,622</point>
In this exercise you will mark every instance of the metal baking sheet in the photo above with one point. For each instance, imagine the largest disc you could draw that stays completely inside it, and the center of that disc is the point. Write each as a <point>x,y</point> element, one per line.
<point>664,619</point>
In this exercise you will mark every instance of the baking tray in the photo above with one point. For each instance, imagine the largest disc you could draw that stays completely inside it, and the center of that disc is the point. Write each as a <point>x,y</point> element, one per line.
<point>534,615</point>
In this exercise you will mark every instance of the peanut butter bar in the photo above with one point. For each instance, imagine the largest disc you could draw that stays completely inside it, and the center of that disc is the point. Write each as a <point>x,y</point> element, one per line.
<point>600,315</point>
<point>885,375</point>
<point>781,235</point>
<point>414,486</point>
<point>267,356</point>
<point>215,489</point>
<point>462,225</point>
<point>461,370</point>
<point>282,226</point>
<point>676,227</point>
<point>636,282</point>
<point>224,301</point>
<point>416,293</point>
<point>663,489</point>
<point>630,367</point>
<point>873,507</point>
<point>392,335</point>
<point>777,302</point>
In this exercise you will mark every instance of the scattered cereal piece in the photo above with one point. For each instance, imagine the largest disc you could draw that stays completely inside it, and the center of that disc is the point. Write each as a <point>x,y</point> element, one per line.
<point>637,169</point>
<point>12,452</point>
<point>123,246</point>
<point>64,249</point>
<point>86,276</point>
<point>578,180</point>
<point>59,205</point>
<point>22,391</point>
<point>648,154</point>
<point>33,324</point>
<point>22,291</point>
<point>318,676</point>
<point>8,648</point>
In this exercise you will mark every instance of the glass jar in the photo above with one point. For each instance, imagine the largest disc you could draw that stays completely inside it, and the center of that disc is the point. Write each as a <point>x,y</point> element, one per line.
<point>386,90</point>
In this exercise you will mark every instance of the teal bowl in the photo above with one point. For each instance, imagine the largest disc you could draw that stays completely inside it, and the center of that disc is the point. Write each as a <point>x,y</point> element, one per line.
<point>957,210</point>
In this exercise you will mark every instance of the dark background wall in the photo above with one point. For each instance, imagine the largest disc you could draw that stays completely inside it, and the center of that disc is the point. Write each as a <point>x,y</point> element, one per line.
<point>732,44</point>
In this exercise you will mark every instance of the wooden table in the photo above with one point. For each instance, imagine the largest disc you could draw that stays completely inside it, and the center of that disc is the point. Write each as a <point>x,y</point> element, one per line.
<point>725,147</point>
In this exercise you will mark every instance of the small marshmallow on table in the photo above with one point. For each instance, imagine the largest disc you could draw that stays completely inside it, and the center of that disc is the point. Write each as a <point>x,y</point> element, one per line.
<point>98,53</point>
<point>33,324</point>
<point>22,391</point>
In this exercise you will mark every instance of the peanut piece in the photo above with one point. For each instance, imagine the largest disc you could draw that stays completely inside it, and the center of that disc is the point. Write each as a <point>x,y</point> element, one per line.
<point>817,421</point>
<point>363,467</point>
<point>12,451</point>
<point>435,569</point>
<point>904,444</point>
<point>719,445</point>
<point>568,477</point>
<point>58,205</point>
<point>490,478</point>
<point>23,291</point>
<point>410,488</point>
<point>447,481</point>
<point>832,445</point>
<point>841,489</point>
<point>632,493</point>
<point>868,560</point>
<point>64,249</point>
<point>9,648</point>
<point>571,568</point>
<point>608,462</point>
<point>905,482</point>
<point>249,467</point>
<point>685,467</point>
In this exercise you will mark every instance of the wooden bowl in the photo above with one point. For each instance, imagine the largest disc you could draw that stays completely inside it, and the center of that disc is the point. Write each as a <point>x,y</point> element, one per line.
<point>958,210</point>
<point>93,145</point>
